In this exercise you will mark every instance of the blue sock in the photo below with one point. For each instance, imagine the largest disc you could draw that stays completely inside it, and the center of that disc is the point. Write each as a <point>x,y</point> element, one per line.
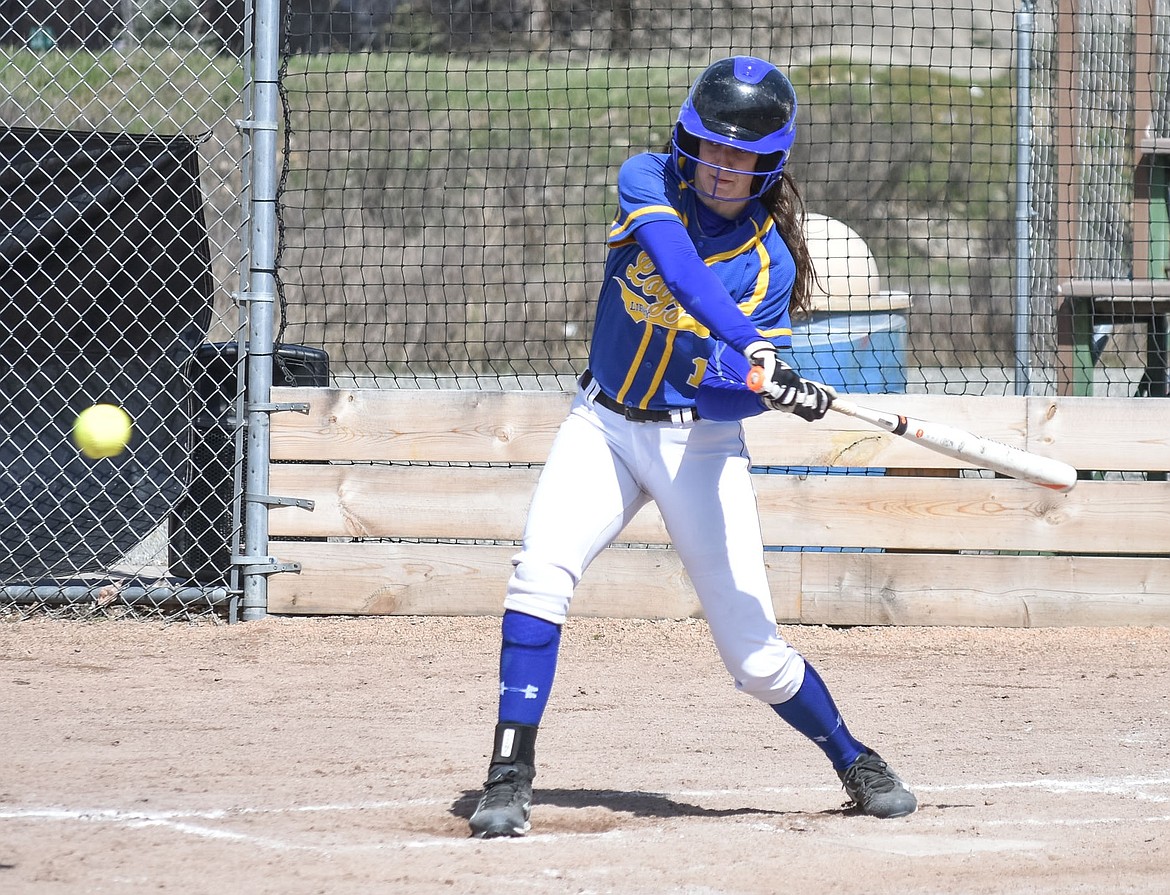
<point>528,661</point>
<point>813,713</point>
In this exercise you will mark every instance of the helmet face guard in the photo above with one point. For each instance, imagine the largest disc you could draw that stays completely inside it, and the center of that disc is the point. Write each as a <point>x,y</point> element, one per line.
<point>745,103</point>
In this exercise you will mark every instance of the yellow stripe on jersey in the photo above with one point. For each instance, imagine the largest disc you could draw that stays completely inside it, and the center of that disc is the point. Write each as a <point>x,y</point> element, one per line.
<point>755,244</point>
<point>779,331</point>
<point>661,371</point>
<point>637,362</point>
<point>617,232</point>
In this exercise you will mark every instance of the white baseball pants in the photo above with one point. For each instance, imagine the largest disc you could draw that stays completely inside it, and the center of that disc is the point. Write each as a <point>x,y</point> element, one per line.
<point>601,470</point>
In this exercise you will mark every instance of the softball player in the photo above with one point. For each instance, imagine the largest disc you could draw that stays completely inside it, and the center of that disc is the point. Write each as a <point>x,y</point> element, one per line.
<point>706,261</point>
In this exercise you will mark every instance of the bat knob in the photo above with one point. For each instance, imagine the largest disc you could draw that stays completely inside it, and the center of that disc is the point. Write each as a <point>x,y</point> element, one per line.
<point>755,379</point>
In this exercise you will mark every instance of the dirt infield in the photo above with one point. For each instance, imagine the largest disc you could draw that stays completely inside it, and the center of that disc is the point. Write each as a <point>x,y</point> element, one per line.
<point>343,755</point>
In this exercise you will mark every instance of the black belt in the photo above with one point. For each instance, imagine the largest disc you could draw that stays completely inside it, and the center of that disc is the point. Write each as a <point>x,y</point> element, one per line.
<point>636,414</point>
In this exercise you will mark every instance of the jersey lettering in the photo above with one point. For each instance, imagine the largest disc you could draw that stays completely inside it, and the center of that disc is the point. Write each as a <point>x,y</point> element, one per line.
<point>653,303</point>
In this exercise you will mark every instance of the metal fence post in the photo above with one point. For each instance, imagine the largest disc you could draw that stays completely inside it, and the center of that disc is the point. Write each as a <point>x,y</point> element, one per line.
<point>255,564</point>
<point>1023,291</point>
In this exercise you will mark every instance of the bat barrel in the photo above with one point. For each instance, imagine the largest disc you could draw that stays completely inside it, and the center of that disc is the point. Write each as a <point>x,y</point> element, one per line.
<point>970,448</point>
<point>958,443</point>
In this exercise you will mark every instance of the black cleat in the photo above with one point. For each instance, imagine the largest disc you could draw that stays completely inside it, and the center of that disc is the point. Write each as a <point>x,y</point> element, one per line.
<point>875,789</point>
<point>506,802</point>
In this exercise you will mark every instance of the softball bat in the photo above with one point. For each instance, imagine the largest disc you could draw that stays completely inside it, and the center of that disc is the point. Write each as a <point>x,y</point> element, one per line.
<point>957,443</point>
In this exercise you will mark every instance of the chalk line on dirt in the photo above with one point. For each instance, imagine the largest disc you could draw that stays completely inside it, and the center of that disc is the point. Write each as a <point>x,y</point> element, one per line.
<point>185,821</point>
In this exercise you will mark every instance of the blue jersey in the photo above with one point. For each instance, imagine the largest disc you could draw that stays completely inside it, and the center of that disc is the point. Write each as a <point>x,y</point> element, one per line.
<point>647,350</point>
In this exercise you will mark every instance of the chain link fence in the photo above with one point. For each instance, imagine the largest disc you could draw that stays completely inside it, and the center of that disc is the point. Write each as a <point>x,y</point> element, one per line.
<point>121,217</point>
<point>445,200</point>
<point>440,180</point>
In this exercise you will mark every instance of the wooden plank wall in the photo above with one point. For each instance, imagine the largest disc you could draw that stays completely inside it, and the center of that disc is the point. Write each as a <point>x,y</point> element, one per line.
<point>413,492</point>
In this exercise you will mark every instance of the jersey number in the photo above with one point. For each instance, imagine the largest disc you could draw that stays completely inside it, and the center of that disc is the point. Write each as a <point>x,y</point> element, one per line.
<point>700,368</point>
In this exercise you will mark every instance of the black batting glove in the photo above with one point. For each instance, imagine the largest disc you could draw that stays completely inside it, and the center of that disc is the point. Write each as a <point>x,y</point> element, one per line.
<point>791,393</point>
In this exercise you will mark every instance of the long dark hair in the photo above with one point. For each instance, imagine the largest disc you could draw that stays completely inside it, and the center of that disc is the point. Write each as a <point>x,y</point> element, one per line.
<point>786,205</point>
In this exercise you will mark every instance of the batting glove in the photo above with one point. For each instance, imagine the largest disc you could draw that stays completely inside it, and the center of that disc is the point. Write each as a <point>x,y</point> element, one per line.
<point>807,399</point>
<point>763,354</point>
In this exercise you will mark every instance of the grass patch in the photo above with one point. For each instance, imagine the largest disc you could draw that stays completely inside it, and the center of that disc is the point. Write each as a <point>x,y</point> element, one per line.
<point>145,90</point>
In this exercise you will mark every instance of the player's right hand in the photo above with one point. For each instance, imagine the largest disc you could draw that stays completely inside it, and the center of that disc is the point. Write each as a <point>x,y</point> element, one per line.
<point>807,399</point>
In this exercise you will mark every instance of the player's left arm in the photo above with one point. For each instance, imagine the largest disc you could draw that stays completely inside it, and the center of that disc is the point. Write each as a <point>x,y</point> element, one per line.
<point>694,285</point>
<point>648,201</point>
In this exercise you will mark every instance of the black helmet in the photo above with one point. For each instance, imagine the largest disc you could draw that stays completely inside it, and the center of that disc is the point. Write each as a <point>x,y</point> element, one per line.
<point>743,102</point>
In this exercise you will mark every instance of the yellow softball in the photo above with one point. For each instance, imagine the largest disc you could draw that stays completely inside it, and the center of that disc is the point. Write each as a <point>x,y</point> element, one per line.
<point>102,430</point>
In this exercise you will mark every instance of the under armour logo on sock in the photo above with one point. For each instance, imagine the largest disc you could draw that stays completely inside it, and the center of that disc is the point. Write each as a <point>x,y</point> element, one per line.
<point>825,738</point>
<point>530,692</point>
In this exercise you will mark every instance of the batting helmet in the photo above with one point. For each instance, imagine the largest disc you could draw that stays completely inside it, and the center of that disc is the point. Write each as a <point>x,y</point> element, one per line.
<point>745,103</point>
